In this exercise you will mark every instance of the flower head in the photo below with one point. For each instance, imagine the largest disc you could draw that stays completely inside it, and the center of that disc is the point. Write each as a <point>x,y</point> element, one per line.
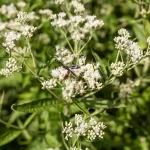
<point>11,67</point>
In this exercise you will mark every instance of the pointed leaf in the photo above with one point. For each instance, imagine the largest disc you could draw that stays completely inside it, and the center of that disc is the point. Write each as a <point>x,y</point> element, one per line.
<point>9,136</point>
<point>81,106</point>
<point>139,31</point>
<point>102,104</point>
<point>147,26</point>
<point>37,105</point>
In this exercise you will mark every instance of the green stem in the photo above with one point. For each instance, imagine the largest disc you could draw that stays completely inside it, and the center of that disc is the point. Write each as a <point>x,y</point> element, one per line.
<point>84,45</point>
<point>32,56</point>
<point>65,142</point>
<point>10,125</point>
<point>24,132</point>
<point>1,102</point>
<point>67,41</point>
<point>29,120</point>
<point>117,56</point>
<point>75,141</point>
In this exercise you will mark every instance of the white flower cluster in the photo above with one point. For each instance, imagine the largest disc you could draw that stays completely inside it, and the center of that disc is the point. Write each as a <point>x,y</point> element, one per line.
<point>89,129</point>
<point>22,17</point>
<point>9,10</point>
<point>21,4</point>
<point>11,67</point>
<point>72,87</point>
<point>2,25</point>
<point>10,39</point>
<point>131,48</point>
<point>148,40</point>
<point>32,16</point>
<point>78,26</point>
<point>49,84</point>
<point>59,73</point>
<point>75,148</point>
<point>27,30</point>
<point>59,1</point>
<point>91,75</point>
<point>117,68</point>
<point>47,12</point>
<point>53,148</point>
<point>75,80</point>
<point>78,7</point>
<point>126,89</point>
<point>59,20</point>
<point>64,55</point>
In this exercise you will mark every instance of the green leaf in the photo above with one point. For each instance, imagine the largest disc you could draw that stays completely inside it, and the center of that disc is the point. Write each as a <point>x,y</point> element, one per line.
<point>146,26</point>
<point>81,106</point>
<point>37,105</point>
<point>51,140</point>
<point>102,104</point>
<point>63,117</point>
<point>102,66</point>
<point>139,31</point>
<point>9,136</point>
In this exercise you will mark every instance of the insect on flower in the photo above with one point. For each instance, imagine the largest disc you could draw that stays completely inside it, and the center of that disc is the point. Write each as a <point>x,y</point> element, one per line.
<point>70,71</point>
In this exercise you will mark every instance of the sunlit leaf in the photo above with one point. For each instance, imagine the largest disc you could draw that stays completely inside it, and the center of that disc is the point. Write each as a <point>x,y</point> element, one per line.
<point>37,105</point>
<point>147,27</point>
<point>9,136</point>
<point>140,32</point>
<point>52,140</point>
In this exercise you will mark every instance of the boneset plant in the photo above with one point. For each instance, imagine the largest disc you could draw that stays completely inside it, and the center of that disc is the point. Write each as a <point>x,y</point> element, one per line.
<point>76,77</point>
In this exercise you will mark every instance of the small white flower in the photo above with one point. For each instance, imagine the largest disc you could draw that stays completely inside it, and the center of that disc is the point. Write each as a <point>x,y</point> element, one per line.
<point>75,148</point>
<point>47,12</point>
<point>27,30</point>
<point>93,23</point>
<point>22,17</point>
<point>8,10</point>
<point>59,20</point>
<point>148,40</point>
<point>59,1</point>
<point>77,6</point>
<point>91,76</point>
<point>2,25</point>
<point>59,73</point>
<point>32,16</point>
<point>21,4</point>
<point>82,60</point>
<point>11,67</point>
<point>134,52</point>
<point>10,37</point>
<point>91,135</point>
<point>49,84</point>
<point>68,130</point>
<point>92,121</point>
<point>126,89</point>
<point>78,119</point>
<point>117,68</point>
<point>81,129</point>
<point>124,33</point>
<point>121,42</point>
<point>64,55</point>
<point>131,48</point>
